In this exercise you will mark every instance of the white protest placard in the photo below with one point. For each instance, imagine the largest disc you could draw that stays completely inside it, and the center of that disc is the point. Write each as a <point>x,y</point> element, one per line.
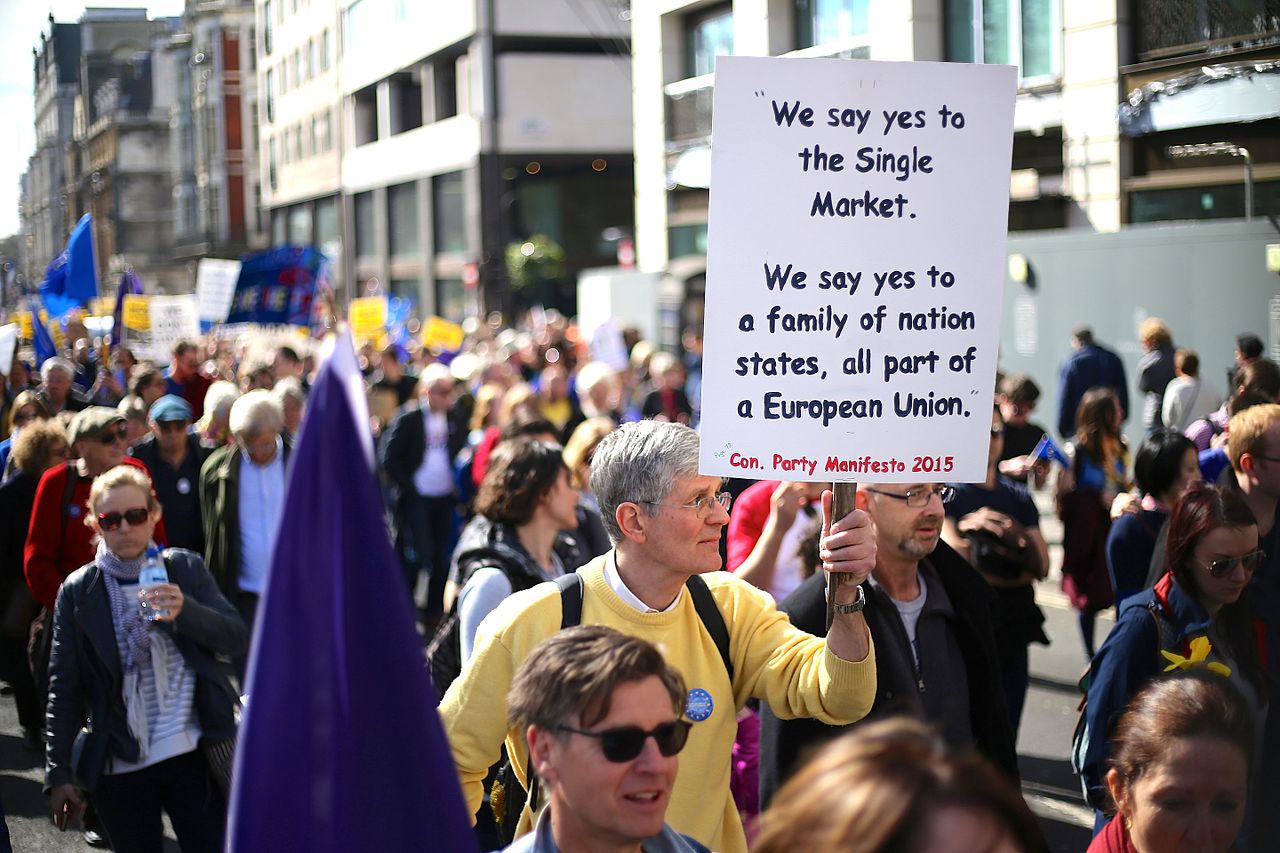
<point>173,319</point>
<point>856,262</point>
<point>607,345</point>
<point>215,287</point>
<point>8,344</point>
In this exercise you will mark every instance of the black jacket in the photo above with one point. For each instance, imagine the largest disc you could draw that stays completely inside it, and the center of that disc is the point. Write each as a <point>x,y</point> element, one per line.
<point>782,742</point>
<point>405,443</point>
<point>85,673</point>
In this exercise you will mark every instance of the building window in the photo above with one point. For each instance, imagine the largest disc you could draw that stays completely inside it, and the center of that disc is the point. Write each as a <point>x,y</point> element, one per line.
<point>406,101</point>
<point>325,47</point>
<point>324,131</point>
<point>366,239</point>
<point>1026,33</point>
<point>271,95</point>
<point>327,236</point>
<point>445,87</point>
<point>267,27</point>
<point>279,228</point>
<point>364,114</point>
<point>825,21</point>
<point>309,63</point>
<point>450,208</point>
<point>272,160</point>
<point>300,225</point>
<point>451,299</point>
<point>708,34</point>
<point>402,221</point>
<point>295,69</point>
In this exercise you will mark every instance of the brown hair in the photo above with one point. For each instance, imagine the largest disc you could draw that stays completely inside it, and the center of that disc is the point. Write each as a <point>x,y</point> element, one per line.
<point>1019,388</point>
<point>33,448</point>
<point>1199,511</point>
<point>582,444</point>
<point>24,399</point>
<point>1186,361</point>
<point>1261,375</point>
<point>1183,705</point>
<point>570,677</point>
<point>1094,430</point>
<point>875,789</point>
<point>521,472</point>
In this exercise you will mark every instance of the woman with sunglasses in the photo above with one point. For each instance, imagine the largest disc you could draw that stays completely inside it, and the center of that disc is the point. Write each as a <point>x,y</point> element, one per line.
<point>152,688</point>
<point>1193,617</point>
<point>28,407</point>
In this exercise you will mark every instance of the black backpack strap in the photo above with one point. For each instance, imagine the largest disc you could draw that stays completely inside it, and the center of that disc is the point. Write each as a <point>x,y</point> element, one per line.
<point>570,599</point>
<point>570,586</point>
<point>712,619</point>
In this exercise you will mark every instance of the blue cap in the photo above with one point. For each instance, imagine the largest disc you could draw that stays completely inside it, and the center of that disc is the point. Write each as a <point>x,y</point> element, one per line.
<point>170,407</point>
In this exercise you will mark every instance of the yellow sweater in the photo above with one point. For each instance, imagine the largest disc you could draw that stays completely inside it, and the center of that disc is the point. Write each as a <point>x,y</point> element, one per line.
<point>773,661</point>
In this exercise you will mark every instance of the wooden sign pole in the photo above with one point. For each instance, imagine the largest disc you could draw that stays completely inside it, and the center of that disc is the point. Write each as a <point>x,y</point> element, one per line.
<point>845,500</point>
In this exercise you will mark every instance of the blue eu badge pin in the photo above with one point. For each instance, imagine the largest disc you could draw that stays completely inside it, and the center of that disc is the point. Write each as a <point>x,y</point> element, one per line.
<point>699,705</point>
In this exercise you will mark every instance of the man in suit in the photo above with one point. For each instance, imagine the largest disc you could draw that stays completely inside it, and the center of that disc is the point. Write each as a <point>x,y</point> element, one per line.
<point>417,455</point>
<point>242,500</point>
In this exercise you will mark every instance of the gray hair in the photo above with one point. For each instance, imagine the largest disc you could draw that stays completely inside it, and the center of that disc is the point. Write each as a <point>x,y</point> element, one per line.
<point>433,373</point>
<point>255,413</point>
<point>641,462</point>
<point>56,363</point>
<point>289,388</point>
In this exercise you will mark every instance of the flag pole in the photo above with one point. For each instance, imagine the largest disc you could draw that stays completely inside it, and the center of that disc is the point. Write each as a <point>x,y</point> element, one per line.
<point>844,501</point>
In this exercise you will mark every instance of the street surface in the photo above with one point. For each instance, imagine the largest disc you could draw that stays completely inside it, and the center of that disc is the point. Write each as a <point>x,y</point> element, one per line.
<point>1051,790</point>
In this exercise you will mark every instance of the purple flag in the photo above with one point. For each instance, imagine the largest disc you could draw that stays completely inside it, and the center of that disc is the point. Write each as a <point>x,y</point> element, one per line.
<point>129,285</point>
<point>341,747</point>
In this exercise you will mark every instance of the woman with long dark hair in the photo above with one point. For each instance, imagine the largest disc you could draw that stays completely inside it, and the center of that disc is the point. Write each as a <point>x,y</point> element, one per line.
<point>1192,617</point>
<point>1098,472</point>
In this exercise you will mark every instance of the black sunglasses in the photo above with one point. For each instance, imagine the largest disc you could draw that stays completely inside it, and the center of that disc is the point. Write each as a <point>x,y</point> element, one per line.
<point>625,743</point>
<point>111,436</point>
<point>1224,567</point>
<point>111,520</point>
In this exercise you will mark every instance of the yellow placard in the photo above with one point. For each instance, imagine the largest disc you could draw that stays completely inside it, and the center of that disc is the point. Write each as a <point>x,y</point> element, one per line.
<point>440,333</point>
<point>368,317</point>
<point>23,319</point>
<point>102,306</point>
<point>137,312</point>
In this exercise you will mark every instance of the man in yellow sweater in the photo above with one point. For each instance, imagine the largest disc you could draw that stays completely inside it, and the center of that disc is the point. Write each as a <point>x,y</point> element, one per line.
<point>665,522</point>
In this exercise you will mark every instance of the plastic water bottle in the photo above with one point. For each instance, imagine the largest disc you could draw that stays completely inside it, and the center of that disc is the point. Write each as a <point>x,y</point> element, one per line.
<point>152,574</point>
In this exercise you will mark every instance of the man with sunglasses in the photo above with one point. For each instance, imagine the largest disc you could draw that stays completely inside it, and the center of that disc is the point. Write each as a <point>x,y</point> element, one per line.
<point>930,617</point>
<point>1253,446</point>
<point>601,713</point>
<point>174,454</point>
<point>58,542</point>
<point>661,582</point>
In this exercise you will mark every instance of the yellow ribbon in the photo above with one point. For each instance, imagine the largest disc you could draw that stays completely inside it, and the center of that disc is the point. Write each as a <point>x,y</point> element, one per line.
<point>1200,648</point>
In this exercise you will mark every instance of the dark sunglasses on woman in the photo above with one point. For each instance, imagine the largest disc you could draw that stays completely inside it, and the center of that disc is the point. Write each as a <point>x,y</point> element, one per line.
<point>1224,567</point>
<point>111,520</point>
<point>626,742</point>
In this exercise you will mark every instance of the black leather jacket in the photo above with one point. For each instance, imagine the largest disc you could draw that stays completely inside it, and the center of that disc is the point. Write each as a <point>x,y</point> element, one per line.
<point>85,675</point>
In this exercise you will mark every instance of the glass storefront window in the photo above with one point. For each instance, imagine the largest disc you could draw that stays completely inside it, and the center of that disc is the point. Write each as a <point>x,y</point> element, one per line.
<point>402,221</point>
<point>449,205</point>
<point>366,241</point>
<point>708,34</point>
<point>823,21</point>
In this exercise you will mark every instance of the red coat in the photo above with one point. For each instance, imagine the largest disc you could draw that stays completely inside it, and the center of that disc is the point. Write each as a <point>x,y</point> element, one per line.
<point>55,549</point>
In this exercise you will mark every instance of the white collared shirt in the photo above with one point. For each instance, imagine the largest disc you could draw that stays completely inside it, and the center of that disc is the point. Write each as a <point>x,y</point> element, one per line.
<point>261,504</point>
<point>614,579</point>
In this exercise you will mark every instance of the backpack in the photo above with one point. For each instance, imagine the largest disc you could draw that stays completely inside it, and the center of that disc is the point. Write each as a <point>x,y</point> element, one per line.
<point>508,797</point>
<point>1081,735</point>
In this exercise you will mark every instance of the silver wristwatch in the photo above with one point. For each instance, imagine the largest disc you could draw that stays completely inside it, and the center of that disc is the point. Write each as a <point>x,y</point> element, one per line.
<point>854,606</point>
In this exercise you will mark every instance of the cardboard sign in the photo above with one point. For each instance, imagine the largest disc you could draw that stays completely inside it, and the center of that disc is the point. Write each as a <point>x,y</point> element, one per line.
<point>137,312</point>
<point>856,259</point>
<point>439,333</point>
<point>215,286</point>
<point>102,306</point>
<point>173,319</point>
<point>8,345</point>
<point>368,317</point>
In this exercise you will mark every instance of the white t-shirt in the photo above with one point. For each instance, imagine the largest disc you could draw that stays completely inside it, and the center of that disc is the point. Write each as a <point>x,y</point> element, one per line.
<point>434,477</point>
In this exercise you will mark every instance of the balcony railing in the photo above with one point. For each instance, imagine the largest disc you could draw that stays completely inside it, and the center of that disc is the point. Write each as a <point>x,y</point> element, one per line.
<point>1166,28</point>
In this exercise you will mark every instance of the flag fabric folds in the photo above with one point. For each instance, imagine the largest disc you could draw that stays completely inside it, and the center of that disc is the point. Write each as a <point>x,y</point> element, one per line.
<point>70,279</point>
<point>42,341</point>
<point>341,747</point>
<point>129,285</point>
<point>1047,449</point>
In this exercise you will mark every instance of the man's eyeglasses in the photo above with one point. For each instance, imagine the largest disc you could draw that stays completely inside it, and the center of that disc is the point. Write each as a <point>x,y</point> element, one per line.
<point>111,520</point>
<point>1224,567</point>
<point>111,436</point>
<point>702,506</point>
<point>173,426</point>
<point>626,742</point>
<point>917,497</point>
